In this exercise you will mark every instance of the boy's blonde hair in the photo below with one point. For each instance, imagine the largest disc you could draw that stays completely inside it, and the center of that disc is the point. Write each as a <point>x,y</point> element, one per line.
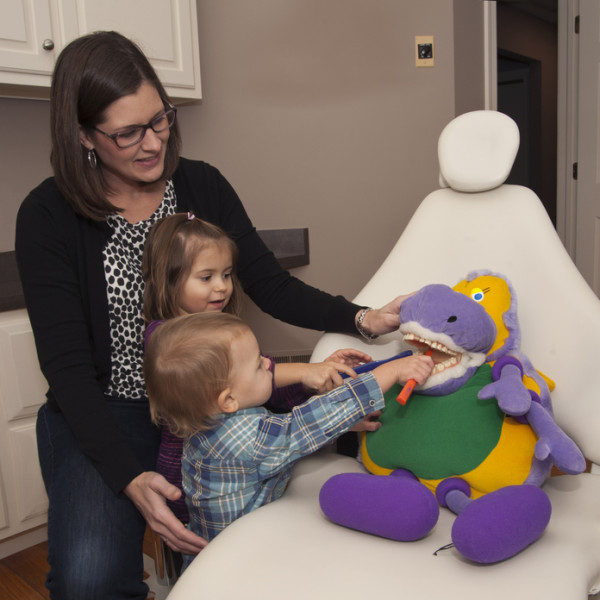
<point>186,366</point>
<point>171,248</point>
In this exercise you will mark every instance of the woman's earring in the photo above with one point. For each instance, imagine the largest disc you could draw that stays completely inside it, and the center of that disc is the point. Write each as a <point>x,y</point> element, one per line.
<point>92,159</point>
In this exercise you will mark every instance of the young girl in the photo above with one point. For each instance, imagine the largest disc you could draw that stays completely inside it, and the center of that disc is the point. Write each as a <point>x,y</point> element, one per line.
<point>189,267</point>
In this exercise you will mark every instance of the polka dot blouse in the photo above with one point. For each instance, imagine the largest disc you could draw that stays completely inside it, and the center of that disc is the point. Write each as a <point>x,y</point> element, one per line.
<point>125,287</point>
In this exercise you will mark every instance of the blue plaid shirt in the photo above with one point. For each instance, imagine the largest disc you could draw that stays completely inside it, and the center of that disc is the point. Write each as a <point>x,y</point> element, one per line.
<point>246,460</point>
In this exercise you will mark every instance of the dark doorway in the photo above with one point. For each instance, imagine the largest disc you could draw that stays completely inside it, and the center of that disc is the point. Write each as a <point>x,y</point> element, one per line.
<point>527,34</point>
<point>519,96</point>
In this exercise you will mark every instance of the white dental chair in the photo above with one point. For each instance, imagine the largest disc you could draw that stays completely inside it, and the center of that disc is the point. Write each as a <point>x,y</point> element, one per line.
<point>288,549</point>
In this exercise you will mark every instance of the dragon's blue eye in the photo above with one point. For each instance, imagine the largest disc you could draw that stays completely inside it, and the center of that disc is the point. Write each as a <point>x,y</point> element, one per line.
<point>477,294</point>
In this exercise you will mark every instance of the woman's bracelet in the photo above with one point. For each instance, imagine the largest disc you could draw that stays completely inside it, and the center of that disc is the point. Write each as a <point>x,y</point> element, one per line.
<point>359,325</point>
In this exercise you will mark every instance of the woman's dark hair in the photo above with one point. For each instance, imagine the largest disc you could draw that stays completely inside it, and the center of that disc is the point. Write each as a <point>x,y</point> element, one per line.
<point>91,73</point>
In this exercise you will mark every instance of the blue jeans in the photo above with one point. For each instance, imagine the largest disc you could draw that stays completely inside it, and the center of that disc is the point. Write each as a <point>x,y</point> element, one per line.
<point>95,538</point>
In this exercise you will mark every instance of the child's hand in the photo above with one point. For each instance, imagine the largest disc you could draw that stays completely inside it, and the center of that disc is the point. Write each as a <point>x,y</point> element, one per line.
<point>417,367</point>
<point>320,378</point>
<point>369,423</point>
<point>349,356</point>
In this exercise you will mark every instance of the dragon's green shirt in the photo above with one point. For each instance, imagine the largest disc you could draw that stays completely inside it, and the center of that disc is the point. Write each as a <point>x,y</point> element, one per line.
<point>438,436</point>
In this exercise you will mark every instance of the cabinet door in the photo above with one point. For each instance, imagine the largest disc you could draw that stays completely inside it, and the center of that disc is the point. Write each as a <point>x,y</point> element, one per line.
<point>23,501</point>
<point>27,45</point>
<point>167,32</point>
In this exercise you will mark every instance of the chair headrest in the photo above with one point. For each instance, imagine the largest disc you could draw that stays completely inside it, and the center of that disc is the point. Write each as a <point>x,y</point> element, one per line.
<point>476,151</point>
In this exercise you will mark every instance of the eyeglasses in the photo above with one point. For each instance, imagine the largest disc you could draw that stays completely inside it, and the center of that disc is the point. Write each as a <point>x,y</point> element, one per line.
<point>135,134</point>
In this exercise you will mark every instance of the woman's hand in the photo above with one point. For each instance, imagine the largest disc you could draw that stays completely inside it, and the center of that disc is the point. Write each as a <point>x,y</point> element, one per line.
<point>386,319</point>
<point>149,492</point>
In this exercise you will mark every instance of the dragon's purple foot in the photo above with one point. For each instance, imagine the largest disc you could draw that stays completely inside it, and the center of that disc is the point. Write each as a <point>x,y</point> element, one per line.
<point>502,523</point>
<point>399,508</point>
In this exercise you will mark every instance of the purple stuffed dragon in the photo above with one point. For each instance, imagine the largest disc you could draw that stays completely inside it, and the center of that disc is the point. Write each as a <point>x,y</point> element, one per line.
<point>478,438</point>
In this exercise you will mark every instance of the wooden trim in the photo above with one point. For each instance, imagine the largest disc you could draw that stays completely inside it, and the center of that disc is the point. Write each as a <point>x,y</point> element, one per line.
<point>290,247</point>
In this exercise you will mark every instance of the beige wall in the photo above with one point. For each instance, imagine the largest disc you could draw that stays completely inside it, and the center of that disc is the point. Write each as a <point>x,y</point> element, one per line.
<point>469,56</point>
<point>24,158</point>
<point>315,112</point>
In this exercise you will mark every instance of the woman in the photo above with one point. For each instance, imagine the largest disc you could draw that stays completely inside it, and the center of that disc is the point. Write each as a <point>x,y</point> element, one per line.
<point>79,241</point>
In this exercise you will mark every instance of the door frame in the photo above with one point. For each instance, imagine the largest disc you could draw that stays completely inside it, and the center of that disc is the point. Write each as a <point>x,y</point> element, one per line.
<point>567,94</point>
<point>567,115</point>
<point>490,53</point>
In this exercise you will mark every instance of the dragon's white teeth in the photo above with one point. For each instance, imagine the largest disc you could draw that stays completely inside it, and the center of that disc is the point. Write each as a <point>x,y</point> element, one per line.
<point>450,362</point>
<point>411,337</point>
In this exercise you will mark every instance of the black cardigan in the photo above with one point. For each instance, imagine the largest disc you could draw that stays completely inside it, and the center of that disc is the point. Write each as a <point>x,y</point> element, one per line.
<point>59,255</point>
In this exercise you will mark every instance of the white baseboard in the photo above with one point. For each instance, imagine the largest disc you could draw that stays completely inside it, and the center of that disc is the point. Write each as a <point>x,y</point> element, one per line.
<point>24,540</point>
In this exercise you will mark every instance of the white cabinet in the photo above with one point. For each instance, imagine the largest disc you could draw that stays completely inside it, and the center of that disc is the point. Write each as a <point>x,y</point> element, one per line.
<point>33,32</point>
<point>23,501</point>
<point>25,28</point>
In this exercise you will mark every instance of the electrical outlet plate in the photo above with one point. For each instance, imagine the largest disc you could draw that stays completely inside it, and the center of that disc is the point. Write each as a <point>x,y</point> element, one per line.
<point>424,51</point>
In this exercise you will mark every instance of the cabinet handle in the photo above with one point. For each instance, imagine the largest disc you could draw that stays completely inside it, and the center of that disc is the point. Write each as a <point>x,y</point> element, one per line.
<point>48,44</point>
